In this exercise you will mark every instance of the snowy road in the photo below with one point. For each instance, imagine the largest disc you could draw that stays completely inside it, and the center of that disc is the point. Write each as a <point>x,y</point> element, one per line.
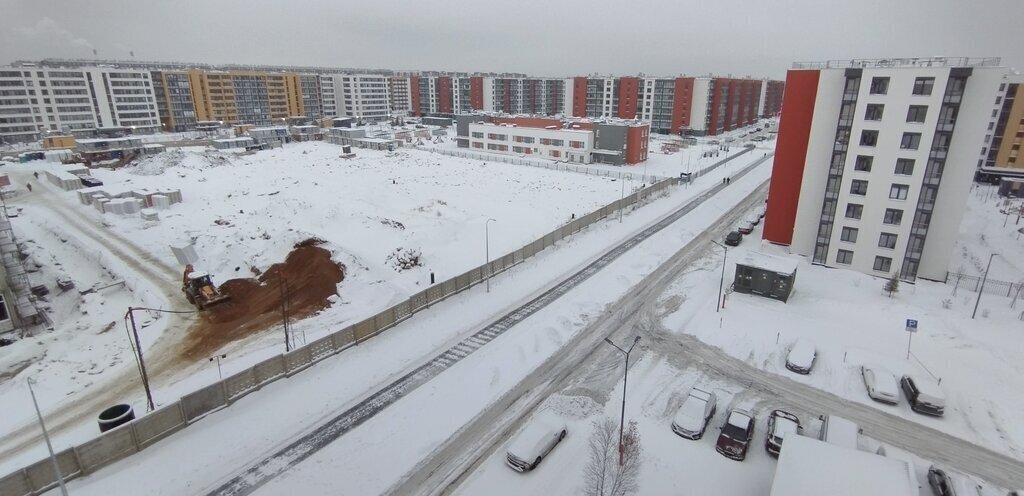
<point>268,468</point>
<point>152,275</point>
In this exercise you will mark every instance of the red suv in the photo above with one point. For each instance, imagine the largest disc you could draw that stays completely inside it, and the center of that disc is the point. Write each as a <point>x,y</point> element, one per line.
<point>736,434</point>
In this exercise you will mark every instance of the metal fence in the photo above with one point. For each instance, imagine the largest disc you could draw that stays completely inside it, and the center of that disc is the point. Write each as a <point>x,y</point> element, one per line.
<point>545,164</point>
<point>993,287</point>
<point>142,432</point>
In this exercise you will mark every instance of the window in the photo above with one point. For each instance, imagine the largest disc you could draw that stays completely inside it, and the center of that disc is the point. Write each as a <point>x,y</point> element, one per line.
<point>868,138</point>
<point>917,113</point>
<point>556,153</point>
<point>859,187</point>
<point>874,112</point>
<point>883,264</point>
<point>575,144</point>
<point>923,85</point>
<point>863,163</point>
<point>898,191</point>
<point>477,135</point>
<point>4,315</point>
<point>904,166</point>
<point>854,211</point>
<point>887,240</point>
<point>477,144</point>
<point>844,257</point>
<point>879,85</point>
<point>910,141</point>
<point>849,234</point>
<point>893,216</point>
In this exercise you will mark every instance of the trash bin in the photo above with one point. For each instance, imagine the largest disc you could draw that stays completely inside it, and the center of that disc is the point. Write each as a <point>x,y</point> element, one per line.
<point>115,416</point>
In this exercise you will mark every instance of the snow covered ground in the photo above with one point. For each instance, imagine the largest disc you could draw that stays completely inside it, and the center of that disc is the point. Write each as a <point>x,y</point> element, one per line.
<point>216,448</point>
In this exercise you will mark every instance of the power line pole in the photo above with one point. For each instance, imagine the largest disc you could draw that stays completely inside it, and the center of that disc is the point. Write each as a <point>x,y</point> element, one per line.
<point>142,363</point>
<point>982,288</point>
<point>283,287</point>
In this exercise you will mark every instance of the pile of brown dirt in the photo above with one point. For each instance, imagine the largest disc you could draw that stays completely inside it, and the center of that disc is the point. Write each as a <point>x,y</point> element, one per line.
<point>311,277</point>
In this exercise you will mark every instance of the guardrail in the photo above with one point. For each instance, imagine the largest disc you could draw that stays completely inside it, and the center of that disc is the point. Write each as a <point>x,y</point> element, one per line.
<point>144,431</point>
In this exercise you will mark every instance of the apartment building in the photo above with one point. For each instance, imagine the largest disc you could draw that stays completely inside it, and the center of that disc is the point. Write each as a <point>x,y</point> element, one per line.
<point>1005,130</point>
<point>771,98</point>
<point>34,100</point>
<point>367,97</point>
<point>401,101</point>
<point>611,141</point>
<point>311,93</point>
<point>875,158</point>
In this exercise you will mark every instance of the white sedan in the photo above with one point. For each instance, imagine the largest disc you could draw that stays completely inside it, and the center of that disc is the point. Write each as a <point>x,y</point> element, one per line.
<point>801,356</point>
<point>534,443</point>
<point>881,384</point>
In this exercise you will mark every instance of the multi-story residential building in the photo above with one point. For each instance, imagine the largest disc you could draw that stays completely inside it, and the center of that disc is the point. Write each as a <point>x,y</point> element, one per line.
<point>328,96</point>
<point>1005,130</point>
<point>245,97</point>
<point>771,98</point>
<point>875,158</point>
<point>401,102</point>
<point>611,141</point>
<point>311,93</point>
<point>366,97</point>
<point>39,99</point>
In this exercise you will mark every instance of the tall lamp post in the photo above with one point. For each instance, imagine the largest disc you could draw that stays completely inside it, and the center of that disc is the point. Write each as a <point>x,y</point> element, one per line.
<point>487,251</point>
<point>46,436</point>
<point>625,376</point>
<point>721,282</point>
<point>982,288</point>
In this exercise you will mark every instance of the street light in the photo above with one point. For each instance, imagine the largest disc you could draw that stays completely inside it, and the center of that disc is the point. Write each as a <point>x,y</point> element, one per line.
<point>625,376</point>
<point>721,282</point>
<point>46,436</point>
<point>137,345</point>
<point>218,357</point>
<point>982,288</point>
<point>487,251</point>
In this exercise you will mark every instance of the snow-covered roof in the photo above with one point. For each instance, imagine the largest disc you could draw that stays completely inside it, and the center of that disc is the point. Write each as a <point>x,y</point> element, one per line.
<point>808,467</point>
<point>233,140</point>
<point>929,390</point>
<point>769,262</point>
<point>105,140</point>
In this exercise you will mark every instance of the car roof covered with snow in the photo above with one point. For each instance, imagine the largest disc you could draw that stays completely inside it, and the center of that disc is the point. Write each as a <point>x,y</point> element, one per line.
<point>739,418</point>
<point>808,467</point>
<point>802,352</point>
<point>531,441</point>
<point>885,381</point>
<point>929,390</point>
<point>691,414</point>
<point>784,425</point>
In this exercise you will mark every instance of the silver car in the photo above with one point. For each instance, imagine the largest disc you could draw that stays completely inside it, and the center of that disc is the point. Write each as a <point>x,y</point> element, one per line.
<point>881,384</point>
<point>534,443</point>
<point>692,418</point>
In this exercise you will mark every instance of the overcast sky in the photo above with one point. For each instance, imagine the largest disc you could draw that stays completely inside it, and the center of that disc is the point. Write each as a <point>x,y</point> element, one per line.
<point>537,37</point>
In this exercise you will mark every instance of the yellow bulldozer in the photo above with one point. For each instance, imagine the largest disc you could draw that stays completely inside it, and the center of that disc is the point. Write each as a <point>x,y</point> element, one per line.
<point>199,289</point>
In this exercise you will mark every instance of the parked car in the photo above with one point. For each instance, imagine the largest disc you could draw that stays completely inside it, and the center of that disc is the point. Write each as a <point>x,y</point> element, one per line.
<point>801,356</point>
<point>940,482</point>
<point>781,424</point>
<point>881,384</point>
<point>736,434</point>
<point>692,418</point>
<point>733,238</point>
<point>754,220</point>
<point>760,211</point>
<point>745,228</point>
<point>758,138</point>
<point>90,182</point>
<point>924,395</point>
<point>534,443</point>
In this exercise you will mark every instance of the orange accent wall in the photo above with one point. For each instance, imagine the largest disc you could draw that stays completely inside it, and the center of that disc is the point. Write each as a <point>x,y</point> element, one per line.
<point>444,95</point>
<point>579,97</point>
<point>537,122</point>
<point>414,95</point>
<point>790,155</point>
<point>681,104</point>
<point>476,92</point>
<point>636,144</point>
<point>628,88</point>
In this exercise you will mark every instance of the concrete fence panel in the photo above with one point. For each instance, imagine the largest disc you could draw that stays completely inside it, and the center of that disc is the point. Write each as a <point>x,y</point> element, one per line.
<point>418,301</point>
<point>364,329</point>
<point>476,275</point>
<point>343,339</point>
<point>203,401</point>
<point>462,281</point>
<point>240,384</point>
<point>270,369</point>
<point>16,484</point>
<point>508,260</point>
<point>518,256</point>
<point>40,474</point>
<point>300,358</point>
<point>111,446</point>
<point>402,310</point>
<point>538,246</point>
<point>385,319</point>
<point>161,423</point>
<point>435,293</point>
<point>549,239</point>
<point>320,348</point>
<point>528,250</point>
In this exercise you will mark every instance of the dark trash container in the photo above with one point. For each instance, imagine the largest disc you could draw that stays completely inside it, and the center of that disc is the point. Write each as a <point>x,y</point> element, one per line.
<point>115,416</point>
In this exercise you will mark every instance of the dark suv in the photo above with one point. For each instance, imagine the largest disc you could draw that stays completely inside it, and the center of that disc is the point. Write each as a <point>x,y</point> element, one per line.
<point>924,395</point>
<point>733,238</point>
<point>736,434</point>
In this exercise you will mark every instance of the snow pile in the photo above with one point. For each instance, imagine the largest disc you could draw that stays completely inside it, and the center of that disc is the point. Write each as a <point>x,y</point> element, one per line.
<point>155,165</point>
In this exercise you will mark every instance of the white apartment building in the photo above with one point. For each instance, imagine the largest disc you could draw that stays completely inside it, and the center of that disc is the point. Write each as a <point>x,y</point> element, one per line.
<point>572,145</point>
<point>364,96</point>
<point>328,96</point>
<point>401,100</point>
<point>875,159</point>
<point>37,99</point>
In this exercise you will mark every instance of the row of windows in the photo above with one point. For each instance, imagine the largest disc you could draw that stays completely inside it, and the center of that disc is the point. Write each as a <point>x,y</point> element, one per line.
<point>922,85</point>
<point>904,166</point>
<point>915,113</point>
<point>896,191</point>
<point>882,264</point>
<point>909,141</point>
<point>885,240</point>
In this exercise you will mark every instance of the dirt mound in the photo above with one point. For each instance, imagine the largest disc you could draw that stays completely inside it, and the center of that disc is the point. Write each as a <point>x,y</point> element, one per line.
<point>309,275</point>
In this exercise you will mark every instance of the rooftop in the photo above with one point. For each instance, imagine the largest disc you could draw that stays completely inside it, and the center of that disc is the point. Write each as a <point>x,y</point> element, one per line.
<point>773,263</point>
<point>901,62</point>
<point>808,467</point>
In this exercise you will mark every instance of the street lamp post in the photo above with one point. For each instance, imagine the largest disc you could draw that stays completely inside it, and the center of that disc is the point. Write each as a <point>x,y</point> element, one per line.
<point>625,377</point>
<point>487,251</point>
<point>982,288</point>
<point>721,282</point>
<point>46,436</point>
<point>130,315</point>
<point>218,357</point>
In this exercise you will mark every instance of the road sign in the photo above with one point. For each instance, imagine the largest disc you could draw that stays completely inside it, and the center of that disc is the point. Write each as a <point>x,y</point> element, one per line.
<point>911,325</point>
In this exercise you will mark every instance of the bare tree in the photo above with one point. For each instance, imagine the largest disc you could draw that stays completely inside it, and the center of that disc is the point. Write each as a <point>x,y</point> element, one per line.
<point>603,474</point>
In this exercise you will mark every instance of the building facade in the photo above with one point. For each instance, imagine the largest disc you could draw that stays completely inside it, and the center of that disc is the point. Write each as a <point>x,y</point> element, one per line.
<point>367,97</point>
<point>1006,128</point>
<point>874,161</point>
<point>34,100</point>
